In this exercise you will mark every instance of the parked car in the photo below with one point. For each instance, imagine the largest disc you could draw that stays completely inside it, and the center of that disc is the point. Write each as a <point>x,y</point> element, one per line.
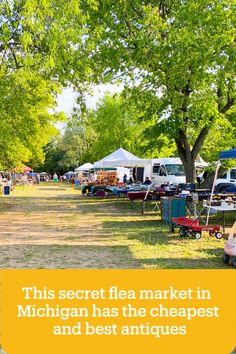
<point>227,182</point>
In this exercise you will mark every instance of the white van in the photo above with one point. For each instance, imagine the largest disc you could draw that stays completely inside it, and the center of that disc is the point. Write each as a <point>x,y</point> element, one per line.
<point>227,179</point>
<point>165,170</point>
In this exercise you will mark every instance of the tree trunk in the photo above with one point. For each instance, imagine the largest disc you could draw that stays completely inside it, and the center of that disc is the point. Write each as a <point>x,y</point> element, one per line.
<point>188,155</point>
<point>185,155</point>
<point>189,170</point>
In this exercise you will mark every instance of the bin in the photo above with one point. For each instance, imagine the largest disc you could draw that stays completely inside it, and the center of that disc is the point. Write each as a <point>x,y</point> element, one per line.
<point>172,208</point>
<point>6,190</point>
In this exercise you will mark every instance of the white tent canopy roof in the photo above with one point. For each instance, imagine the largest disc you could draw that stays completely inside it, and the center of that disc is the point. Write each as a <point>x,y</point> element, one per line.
<point>85,167</point>
<point>199,162</point>
<point>120,158</point>
<point>69,173</point>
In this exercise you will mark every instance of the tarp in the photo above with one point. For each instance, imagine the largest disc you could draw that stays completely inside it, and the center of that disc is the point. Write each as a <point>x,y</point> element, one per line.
<point>85,167</point>
<point>229,154</point>
<point>120,158</point>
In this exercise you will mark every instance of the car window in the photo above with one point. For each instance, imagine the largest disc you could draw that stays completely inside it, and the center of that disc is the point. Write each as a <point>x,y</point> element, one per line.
<point>156,169</point>
<point>233,174</point>
<point>175,169</point>
<point>162,171</point>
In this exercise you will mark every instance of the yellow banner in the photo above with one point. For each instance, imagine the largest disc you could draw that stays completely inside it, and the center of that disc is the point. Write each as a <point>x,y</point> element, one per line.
<point>118,311</point>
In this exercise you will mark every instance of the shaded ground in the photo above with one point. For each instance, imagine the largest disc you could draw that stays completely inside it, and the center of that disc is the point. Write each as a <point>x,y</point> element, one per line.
<point>52,226</point>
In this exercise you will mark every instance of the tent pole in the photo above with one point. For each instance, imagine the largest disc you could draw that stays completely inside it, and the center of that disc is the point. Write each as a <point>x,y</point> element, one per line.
<point>212,190</point>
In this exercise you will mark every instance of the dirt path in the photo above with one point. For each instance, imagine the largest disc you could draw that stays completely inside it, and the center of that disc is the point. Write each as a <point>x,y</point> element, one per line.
<point>54,226</point>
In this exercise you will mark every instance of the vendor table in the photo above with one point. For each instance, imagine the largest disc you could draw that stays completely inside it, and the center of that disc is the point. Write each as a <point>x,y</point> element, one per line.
<point>136,195</point>
<point>123,191</point>
<point>92,188</point>
<point>222,209</point>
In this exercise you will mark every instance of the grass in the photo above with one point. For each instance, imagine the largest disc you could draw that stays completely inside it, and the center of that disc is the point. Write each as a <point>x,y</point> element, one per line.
<point>54,226</point>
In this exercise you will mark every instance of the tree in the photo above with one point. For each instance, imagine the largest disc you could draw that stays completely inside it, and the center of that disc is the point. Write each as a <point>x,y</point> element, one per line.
<point>44,36</point>
<point>112,125</point>
<point>40,45</point>
<point>25,124</point>
<point>93,134</point>
<point>39,41</point>
<point>178,60</point>
<point>116,122</point>
<point>66,151</point>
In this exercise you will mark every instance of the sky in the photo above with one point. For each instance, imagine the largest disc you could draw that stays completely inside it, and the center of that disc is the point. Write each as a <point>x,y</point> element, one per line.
<point>67,99</point>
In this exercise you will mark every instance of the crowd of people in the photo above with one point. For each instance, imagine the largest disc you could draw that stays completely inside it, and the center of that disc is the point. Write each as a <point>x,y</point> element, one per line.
<point>126,181</point>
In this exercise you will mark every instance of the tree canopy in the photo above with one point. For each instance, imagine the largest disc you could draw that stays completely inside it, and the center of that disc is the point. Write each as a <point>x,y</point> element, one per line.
<point>38,40</point>
<point>25,125</point>
<point>98,132</point>
<point>177,59</point>
<point>44,36</point>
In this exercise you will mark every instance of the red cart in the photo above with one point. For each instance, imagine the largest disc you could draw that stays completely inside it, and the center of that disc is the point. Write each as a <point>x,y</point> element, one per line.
<point>191,227</point>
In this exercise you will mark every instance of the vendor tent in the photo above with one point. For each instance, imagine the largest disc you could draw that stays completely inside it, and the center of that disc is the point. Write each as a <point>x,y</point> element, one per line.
<point>200,163</point>
<point>85,167</point>
<point>120,158</point>
<point>228,154</point>
<point>69,173</point>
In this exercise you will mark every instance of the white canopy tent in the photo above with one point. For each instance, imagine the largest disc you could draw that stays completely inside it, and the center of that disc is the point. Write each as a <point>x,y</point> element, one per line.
<point>121,158</point>
<point>200,163</point>
<point>85,167</point>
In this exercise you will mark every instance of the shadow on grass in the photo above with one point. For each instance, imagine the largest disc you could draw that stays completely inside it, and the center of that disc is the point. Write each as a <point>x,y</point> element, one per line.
<point>218,251</point>
<point>66,256</point>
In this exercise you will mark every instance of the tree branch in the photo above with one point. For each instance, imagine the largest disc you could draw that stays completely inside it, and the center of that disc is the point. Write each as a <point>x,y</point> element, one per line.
<point>15,59</point>
<point>228,105</point>
<point>139,13</point>
<point>199,141</point>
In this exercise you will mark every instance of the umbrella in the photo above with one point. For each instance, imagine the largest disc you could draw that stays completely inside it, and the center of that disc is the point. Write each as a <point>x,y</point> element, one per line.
<point>27,169</point>
<point>23,169</point>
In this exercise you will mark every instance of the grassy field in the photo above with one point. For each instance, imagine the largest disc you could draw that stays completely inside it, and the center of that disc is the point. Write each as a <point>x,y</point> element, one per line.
<point>54,226</point>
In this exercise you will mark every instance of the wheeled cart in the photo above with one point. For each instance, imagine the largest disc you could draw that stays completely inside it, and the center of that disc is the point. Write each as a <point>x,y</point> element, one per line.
<point>191,227</point>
